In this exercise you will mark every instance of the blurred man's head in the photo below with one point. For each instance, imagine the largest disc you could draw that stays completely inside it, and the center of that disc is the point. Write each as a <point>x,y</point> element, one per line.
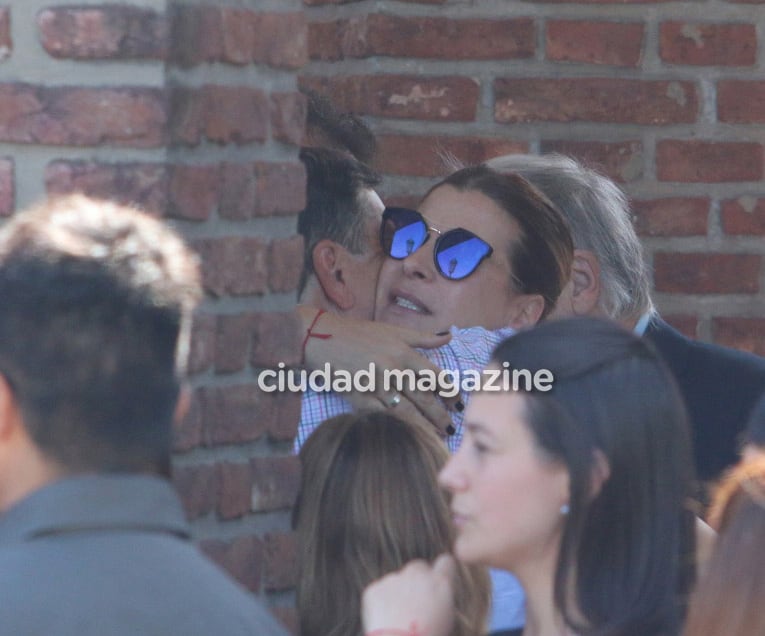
<point>340,226</point>
<point>754,437</point>
<point>94,330</point>
<point>609,276</point>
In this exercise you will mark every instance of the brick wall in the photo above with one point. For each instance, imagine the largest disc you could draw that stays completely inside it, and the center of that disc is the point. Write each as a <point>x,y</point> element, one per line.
<point>667,98</point>
<point>190,110</point>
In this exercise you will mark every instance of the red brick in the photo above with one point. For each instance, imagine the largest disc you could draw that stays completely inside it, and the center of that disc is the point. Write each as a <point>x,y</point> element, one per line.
<point>285,262</point>
<point>235,265</point>
<point>198,487</point>
<point>196,34</point>
<point>283,427</point>
<point>242,558</point>
<point>280,188</point>
<point>622,161</point>
<point>6,42</point>
<point>232,342</point>
<point>238,34</point>
<point>235,414</point>
<point>288,115</point>
<point>423,156</point>
<point>234,490</point>
<point>187,433</point>
<point>744,216</point>
<point>707,273</point>
<point>423,37</point>
<point>275,482</point>
<point>280,567</point>
<point>193,192</point>
<point>741,102</point>
<point>202,353</point>
<point>693,161</point>
<point>614,43</point>
<point>281,40</point>
<point>141,184</point>
<point>708,44</point>
<point>604,1</point>
<point>401,96</point>
<point>684,324</point>
<point>57,116</point>
<point>103,33</point>
<point>742,333</point>
<point>187,115</point>
<point>237,191</point>
<point>7,187</point>
<point>619,101</point>
<point>276,337</point>
<point>671,217</point>
<point>235,114</point>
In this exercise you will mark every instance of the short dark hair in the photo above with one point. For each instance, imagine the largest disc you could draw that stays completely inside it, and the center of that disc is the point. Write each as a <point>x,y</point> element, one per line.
<point>629,549</point>
<point>328,128</point>
<point>93,326</point>
<point>755,430</point>
<point>541,259</point>
<point>332,211</point>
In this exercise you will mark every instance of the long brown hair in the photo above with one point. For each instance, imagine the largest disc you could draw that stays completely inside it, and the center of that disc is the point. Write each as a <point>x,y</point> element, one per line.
<point>369,503</point>
<point>728,599</point>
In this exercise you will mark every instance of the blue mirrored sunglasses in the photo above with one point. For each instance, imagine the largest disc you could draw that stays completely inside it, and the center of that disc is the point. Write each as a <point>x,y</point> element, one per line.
<point>457,253</point>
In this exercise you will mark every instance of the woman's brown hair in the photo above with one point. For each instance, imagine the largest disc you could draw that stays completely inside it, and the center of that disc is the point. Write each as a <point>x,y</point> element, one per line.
<point>369,502</point>
<point>728,598</point>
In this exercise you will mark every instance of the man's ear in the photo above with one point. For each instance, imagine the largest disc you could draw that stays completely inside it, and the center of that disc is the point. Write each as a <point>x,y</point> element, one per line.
<point>329,263</point>
<point>585,280</point>
<point>525,310</point>
<point>9,415</point>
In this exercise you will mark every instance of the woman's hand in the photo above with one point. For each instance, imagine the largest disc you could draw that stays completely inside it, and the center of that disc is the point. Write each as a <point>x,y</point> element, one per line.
<point>354,344</point>
<point>417,600</point>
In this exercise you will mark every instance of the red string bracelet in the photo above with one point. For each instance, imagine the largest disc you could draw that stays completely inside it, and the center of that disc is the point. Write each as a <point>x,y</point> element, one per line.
<point>310,333</point>
<point>393,631</point>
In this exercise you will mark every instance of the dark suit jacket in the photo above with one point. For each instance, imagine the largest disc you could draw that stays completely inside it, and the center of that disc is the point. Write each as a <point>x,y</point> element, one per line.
<point>720,387</point>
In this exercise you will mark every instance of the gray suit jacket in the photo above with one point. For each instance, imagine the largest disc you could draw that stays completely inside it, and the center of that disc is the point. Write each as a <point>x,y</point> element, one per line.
<point>111,556</point>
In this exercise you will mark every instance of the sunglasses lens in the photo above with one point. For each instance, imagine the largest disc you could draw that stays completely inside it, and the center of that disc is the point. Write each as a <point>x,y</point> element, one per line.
<point>459,253</point>
<point>403,232</point>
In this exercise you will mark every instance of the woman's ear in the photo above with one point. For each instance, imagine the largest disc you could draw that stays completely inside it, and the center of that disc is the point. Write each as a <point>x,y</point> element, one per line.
<point>329,263</point>
<point>599,472</point>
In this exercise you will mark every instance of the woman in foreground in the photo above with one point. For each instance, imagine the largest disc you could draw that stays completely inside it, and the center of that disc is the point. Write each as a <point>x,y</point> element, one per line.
<point>580,492</point>
<point>370,502</point>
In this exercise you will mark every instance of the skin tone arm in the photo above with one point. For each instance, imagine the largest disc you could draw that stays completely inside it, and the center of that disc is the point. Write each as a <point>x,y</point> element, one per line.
<point>417,600</point>
<point>356,343</point>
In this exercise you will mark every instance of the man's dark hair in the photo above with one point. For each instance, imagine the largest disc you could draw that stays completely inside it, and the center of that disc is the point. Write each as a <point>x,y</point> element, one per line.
<point>328,128</point>
<point>94,322</point>
<point>755,430</point>
<point>333,208</point>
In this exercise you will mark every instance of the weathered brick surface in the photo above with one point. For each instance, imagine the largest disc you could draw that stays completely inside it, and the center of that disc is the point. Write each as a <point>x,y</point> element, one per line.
<point>744,216</point>
<point>288,113</point>
<point>234,414</point>
<point>275,482</point>
<point>622,161</point>
<point>139,184</point>
<point>451,98</point>
<point>742,333</point>
<point>234,489</point>
<point>427,155</point>
<point>741,101</point>
<point>280,567</point>
<point>234,265</point>
<point>610,43</point>
<point>708,161</point>
<point>276,337</point>
<point>198,487</point>
<point>415,37</point>
<point>202,353</point>
<point>684,324</point>
<point>238,198</point>
<point>281,40</point>
<point>285,262</point>
<point>280,188</point>
<point>708,44</point>
<point>241,557</point>
<point>187,433</point>
<point>621,101</point>
<point>232,342</point>
<point>283,426</point>
<point>236,114</point>
<point>196,34</point>
<point>7,187</point>
<point>103,32</point>
<point>699,273</point>
<point>671,217</point>
<point>193,192</point>
<point>73,116</point>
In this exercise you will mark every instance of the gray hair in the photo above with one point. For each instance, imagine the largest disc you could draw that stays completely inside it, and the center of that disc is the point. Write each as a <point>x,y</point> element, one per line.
<point>599,216</point>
